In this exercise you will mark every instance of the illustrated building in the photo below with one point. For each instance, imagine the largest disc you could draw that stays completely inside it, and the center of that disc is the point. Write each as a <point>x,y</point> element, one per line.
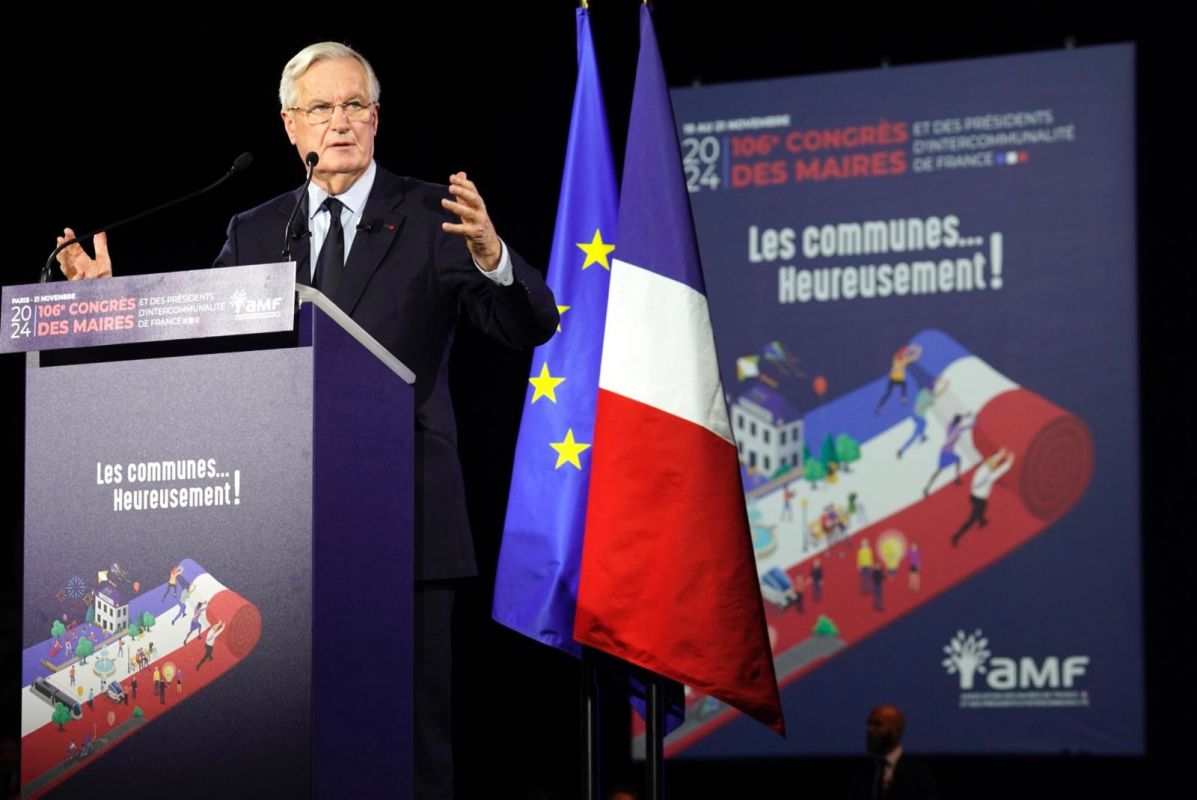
<point>767,429</point>
<point>112,613</point>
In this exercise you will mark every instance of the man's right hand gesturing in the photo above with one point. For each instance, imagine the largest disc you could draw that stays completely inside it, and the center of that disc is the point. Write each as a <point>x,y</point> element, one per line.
<point>76,264</point>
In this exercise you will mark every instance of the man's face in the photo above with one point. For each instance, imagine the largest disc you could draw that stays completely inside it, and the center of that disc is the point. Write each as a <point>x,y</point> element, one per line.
<point>345,147</point>
<point>884,730</point>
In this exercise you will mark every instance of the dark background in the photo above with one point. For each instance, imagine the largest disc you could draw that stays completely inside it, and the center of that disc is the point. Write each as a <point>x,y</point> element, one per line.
<point>107,116</point>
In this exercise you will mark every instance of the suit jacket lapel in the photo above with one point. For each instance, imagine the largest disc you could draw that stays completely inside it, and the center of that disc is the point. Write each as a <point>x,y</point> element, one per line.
<point>381,223</point>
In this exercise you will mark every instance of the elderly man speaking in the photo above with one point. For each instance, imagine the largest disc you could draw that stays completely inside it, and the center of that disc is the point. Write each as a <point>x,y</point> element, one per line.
<point>403,258</point>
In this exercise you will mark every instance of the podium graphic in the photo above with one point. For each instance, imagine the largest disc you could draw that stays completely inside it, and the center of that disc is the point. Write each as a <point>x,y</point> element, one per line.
<point>844,553</point>
<point>218,552</point>
<point>138,657</point>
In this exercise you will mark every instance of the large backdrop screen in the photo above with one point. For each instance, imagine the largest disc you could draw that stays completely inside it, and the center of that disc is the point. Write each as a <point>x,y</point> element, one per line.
<point>923,288</point>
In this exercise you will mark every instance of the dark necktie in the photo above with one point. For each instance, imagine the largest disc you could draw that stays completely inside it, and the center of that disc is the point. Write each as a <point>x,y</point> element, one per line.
<point>331,262</point>
<point>879,788</point>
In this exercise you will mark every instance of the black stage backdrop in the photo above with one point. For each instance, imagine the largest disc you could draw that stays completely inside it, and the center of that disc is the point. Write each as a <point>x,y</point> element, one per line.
<point>107,116</point>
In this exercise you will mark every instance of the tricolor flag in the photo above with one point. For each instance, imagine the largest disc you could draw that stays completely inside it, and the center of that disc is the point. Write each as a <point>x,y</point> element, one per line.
<point>668,577</point>
<point>537,581</point>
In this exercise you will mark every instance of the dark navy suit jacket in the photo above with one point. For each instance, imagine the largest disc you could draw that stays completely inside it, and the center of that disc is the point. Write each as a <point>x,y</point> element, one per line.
<point>912,780</point>
<point>405,283</point>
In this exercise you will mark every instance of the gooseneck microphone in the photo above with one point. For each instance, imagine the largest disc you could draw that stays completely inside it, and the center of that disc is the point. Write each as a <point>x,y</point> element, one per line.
<point>242,161</point>
<point>311,159</point>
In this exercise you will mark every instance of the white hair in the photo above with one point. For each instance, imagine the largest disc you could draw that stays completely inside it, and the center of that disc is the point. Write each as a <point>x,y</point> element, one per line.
<point>288,96</point>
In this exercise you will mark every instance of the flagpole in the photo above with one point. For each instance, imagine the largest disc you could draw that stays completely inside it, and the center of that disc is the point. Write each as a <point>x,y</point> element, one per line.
<point>655,750</point>
<point>590,725</point>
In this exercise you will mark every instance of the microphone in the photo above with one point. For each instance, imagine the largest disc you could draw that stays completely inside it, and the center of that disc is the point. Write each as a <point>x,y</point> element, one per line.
<point>311,159</point>
<point>369,227</point>
<point>240,164</point>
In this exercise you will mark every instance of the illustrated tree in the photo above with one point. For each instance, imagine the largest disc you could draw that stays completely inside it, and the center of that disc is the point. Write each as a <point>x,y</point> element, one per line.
<point>61,715</point>
<point>967,656</point>
<point>138,713</point>
<point>847,450</point>
<point>134,630</point>
<point>84,649</point>
<point>90,616</point>
<point>147,620</point>
<point>814,472</point>
<point>57,629</point>
<point>827,452</point>
<point>825,627</point>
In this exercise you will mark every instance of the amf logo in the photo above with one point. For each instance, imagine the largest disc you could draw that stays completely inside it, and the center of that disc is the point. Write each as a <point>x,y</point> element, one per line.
<point>250,308</point>
<point>969,657</point>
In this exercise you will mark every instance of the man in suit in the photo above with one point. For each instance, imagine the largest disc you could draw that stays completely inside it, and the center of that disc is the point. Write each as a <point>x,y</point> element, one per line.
<point>403,258</point>
<point>893,775</point>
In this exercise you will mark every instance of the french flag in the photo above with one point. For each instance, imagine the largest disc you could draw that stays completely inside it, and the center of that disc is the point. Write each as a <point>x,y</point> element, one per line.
<point>668,578</point>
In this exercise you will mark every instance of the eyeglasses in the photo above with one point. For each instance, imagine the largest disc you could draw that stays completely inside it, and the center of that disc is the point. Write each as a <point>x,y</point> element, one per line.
<point>355,110</point>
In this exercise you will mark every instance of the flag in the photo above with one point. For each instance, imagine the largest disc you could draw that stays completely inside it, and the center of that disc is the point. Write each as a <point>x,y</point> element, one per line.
<point>668,578</point>
<point>537,578</point>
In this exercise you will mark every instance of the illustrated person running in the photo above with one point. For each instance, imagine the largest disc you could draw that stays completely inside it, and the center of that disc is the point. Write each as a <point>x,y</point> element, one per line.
<point>947,453</point>
<point>172,585</point>
<point>987,474</point>
<point>197,620</point>
<point>923,402</point>
<point>183,598</point>
<point>906,355</point>
<point>214,631</point>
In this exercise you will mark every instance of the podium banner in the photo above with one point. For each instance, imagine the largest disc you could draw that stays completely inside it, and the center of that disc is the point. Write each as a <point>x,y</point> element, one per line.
<point>222,301</point>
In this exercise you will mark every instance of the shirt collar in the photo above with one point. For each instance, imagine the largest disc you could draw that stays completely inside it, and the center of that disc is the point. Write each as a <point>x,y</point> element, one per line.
<point>354,198</point>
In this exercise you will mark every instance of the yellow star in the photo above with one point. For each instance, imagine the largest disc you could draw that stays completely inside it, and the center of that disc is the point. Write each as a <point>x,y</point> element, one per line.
<point>561,311</point>
<point>568,450</point>
<point>545,384</point>
<point>596,252</point>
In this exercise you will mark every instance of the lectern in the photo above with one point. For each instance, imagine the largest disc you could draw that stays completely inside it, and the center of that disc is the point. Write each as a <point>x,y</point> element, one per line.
<point>218,542</point>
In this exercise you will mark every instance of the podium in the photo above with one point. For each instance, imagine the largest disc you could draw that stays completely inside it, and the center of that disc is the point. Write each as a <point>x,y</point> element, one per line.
<point>218,565</point>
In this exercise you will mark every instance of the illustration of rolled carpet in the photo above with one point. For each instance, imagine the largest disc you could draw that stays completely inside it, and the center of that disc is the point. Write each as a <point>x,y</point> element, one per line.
<point>1055,450</point>
<point>961,462</point>
<point>244,623</point>
<point>127,683</point>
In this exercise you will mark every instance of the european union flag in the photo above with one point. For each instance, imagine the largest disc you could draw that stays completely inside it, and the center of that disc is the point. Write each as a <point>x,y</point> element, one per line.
<point>537,582</point>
